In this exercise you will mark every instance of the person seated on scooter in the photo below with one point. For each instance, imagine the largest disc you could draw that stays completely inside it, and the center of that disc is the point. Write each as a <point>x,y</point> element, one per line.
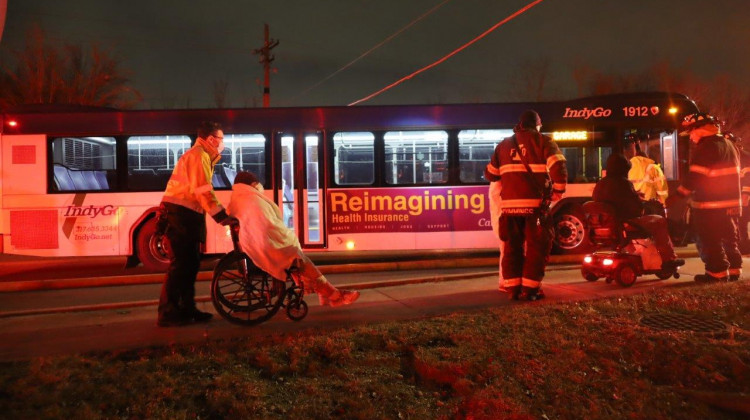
<point>271,245</point>
<point>616,190</point>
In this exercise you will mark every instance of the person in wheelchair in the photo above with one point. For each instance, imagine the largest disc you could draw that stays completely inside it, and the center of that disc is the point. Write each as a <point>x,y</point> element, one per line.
<point>616,190</point>
<point>272,246</point>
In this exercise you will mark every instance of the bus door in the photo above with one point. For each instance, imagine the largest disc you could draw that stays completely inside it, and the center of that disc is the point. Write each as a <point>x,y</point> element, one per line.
<point>299,190</point>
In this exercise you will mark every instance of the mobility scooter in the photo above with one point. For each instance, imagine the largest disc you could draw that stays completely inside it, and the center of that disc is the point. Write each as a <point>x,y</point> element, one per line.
<point>624,250</point>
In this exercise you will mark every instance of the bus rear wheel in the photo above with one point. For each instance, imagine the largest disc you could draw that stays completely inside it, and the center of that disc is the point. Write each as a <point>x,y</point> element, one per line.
<point>153,250</point>
<point>571,235</point>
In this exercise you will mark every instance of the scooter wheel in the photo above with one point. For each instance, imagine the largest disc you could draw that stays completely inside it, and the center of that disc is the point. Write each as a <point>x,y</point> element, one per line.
<point>625,275</point>
<point>589,276</point>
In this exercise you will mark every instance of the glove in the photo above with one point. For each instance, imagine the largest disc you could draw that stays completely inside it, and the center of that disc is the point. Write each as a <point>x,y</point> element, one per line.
<point>224,219</point>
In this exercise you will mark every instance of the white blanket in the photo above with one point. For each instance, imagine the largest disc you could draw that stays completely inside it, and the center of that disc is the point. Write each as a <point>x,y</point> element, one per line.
<point>263,237</point>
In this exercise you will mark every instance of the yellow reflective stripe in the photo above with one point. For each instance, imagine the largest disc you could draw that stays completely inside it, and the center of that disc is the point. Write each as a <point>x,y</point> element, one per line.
<point>493,170</point>
<point>714,172</point>
<point>745,189</point>
<point>557,157</point>
<point>529,202</point>
<point>735,271</point>
<point>531,283</point>
<point>716,204</point>
<point>682,190</point>
<point>560,186</point>
<point>515,167</point>
<point>662,192</point>
<point>744,171</point>
<point>512,282</point>
<point>718,274</point>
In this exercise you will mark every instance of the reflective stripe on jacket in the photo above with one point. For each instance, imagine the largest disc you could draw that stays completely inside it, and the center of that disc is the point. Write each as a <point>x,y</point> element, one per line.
<point>190,184</point>
<point>714,175</point>
<point>519,191</point>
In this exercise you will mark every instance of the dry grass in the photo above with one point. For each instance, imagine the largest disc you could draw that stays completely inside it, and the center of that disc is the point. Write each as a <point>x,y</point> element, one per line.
<point>576,360</point>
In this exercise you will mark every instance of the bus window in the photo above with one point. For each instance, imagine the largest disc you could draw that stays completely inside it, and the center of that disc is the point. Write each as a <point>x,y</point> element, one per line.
<point>248,153</point>
<point>353,162</point>
<point>585,163</point>
<point>151,160</point>
<point>475,149</point>
<point>83,164</point>
<point>416,157</point>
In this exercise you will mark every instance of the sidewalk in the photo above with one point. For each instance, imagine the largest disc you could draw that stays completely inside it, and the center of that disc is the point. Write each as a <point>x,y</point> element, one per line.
<point>132,327</point>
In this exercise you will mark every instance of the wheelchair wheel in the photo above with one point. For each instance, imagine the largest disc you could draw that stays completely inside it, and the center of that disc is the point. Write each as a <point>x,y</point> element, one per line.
<point>243,293</point>
<point>296,308</point>
<point>625,275</point>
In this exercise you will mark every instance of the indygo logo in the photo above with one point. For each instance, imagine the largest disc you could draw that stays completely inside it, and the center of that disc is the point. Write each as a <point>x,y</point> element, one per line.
<point>586,113</point>
<point>90,211</point>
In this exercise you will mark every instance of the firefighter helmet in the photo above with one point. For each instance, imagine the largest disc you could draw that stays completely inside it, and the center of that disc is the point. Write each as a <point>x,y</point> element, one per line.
<point>694,121</point>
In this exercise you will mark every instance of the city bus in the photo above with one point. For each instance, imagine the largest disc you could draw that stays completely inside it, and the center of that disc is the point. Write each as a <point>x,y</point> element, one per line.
<point>88,181</point>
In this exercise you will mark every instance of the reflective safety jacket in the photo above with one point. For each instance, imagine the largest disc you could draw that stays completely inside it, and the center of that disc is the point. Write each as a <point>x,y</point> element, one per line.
<point>648,179</point>
<point>190,184</point>
<point>713,177</point>
<point>520,195</point>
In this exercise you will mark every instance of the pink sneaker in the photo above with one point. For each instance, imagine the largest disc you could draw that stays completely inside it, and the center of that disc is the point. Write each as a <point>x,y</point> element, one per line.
<point>339,298</point>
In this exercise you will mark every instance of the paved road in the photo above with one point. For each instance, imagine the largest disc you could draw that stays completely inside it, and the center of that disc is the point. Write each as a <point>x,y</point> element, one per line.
<point>418,294</point>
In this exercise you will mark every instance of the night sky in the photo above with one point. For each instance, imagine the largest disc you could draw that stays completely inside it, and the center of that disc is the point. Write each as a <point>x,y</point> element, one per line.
<point>176,50</point>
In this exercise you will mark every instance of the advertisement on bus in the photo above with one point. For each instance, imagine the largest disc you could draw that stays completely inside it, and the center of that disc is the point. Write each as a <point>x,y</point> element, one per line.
<point>416,209</point>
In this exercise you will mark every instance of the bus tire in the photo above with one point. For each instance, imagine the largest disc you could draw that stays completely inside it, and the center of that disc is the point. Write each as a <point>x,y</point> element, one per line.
<point>571,233</point>
<point>153,250</point>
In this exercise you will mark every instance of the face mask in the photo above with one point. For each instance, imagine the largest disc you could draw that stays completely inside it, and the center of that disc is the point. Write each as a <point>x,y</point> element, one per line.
<point>220,147</point>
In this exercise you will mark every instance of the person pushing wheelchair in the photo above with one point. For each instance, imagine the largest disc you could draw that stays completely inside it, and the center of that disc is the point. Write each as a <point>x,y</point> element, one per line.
<point>271,245</point>
<point>616,190</point>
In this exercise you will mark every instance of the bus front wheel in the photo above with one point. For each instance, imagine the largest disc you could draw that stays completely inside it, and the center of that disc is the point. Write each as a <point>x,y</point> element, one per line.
<point>153,250</point>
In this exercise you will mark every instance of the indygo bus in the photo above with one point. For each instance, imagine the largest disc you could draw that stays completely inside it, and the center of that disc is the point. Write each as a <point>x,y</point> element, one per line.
<point>86,182</point>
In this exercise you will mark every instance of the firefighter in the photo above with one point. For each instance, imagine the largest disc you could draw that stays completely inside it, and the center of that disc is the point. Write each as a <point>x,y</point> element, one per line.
<point>713,182</point>
<point>645,174</point>
<point>744,240</point>
<point>532,171</point>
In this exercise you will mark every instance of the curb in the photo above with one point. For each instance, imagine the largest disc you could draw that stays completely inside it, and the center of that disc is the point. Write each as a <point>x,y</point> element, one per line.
<point>157,278</point>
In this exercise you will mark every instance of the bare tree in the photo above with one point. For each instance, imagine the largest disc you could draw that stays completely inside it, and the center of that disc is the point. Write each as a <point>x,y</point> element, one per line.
<point>530,81</point>
<point>45,74</point>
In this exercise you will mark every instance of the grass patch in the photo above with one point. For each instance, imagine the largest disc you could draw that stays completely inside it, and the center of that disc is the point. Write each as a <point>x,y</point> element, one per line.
<point>571,360</point>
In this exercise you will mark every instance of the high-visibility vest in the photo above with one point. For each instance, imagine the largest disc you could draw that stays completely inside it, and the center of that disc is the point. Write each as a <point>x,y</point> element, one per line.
<point>648,179</point>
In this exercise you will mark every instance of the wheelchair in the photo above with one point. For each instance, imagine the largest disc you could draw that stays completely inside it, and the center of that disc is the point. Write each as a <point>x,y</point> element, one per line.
<point>624,252</point>
<point>244,294</point>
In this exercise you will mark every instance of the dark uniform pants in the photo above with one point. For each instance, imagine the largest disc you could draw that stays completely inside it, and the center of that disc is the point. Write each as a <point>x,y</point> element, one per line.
<point>744,240</point>
<point>525,251</point>
<point>186,230</point>
<point>716,231</point>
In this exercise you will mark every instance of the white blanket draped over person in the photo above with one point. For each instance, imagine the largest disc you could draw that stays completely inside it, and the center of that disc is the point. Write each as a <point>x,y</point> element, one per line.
<point>271,245</point>
<point>495,213</point>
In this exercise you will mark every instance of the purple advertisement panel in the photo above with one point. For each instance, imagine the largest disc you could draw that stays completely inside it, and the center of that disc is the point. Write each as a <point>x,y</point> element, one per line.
<point>413,209</point>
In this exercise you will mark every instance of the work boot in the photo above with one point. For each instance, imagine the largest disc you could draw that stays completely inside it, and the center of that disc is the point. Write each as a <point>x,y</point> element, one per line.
<point>707,278</point>
<point>534,295</point>
<point>672,264</point>
<point>200,316</point>
<point>514,293</point>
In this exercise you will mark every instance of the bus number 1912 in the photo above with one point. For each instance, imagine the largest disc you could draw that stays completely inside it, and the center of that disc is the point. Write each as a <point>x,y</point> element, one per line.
<point>635,111</point>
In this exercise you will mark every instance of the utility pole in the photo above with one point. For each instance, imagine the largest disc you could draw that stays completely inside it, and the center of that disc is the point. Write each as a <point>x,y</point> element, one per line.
<point>266,58</point>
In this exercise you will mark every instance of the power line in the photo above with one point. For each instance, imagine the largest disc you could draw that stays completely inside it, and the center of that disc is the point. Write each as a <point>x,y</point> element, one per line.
<point>454,52</point>
<point>361,56</point>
